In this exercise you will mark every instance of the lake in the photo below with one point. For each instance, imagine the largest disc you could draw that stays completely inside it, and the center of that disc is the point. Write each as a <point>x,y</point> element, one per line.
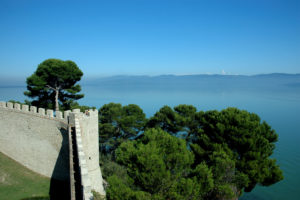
<point>279,107</point>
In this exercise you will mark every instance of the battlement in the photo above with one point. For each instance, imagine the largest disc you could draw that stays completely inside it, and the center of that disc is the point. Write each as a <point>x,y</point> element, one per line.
<point>46,113</point>
<point>86,184</point>
<point>33,110</point>
<point>38,138</point>
<point>87,145</point>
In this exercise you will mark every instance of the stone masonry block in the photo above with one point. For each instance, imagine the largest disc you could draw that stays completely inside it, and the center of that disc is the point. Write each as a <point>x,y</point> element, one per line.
<point>82,162</point>
<point>76,110</point>
<point>88,196</point>
<point>25,108</point>
<point>58,115</point>
<point>49,113</point>
<point>2,104</point>
<point>87,185</point>
<point>10,105</point>
<point>66,114</point>
<point>80,147</point>
<point>33,109</point>
<point>17,106</point>
<point>41,111</point>
<point>81,155</point>
<point>84,171</point>
<point>79,141</point>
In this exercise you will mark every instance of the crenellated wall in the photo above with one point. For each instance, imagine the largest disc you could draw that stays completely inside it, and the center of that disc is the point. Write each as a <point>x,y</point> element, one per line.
<point>87,141</point>
<point>38,112</point>
<point>88,124</point>
<point>38,139</point>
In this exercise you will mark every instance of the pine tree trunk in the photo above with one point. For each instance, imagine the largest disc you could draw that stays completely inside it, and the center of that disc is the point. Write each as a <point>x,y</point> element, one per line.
<point>56,99</point>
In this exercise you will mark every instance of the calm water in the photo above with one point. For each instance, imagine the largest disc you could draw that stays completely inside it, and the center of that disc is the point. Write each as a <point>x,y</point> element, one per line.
<point>280,109</point>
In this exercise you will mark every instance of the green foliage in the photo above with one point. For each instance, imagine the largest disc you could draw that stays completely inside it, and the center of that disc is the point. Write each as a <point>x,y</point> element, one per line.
<point>97,196</point>
<point>109,167</point>
<point>83,108</point>
<point>54,75</point>
<point>120,190</point>
<point>224,153</point>
<point>13,101</point>
<point>245,139</point>
<point>159,167</point>
<point>118,123</point>
<point>180,122</point>
<point>166,119</point>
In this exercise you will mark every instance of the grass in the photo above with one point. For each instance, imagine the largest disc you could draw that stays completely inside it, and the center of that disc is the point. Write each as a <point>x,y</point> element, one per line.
<point>19,183</point>
<point>97,196</point>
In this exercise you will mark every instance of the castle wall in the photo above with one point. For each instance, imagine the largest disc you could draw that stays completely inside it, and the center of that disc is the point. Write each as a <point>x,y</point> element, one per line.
<point>37,140</point>
<point>88,126</point>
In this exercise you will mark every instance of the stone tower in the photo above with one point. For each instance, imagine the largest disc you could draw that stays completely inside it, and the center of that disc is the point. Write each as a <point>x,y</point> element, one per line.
<point>88,123</point>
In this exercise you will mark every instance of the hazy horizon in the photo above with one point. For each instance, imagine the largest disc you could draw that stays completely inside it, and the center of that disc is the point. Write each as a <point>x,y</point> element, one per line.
<point>17,81</point>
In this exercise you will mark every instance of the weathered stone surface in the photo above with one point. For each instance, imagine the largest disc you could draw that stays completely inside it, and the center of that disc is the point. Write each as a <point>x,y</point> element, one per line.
<point>25,108</point>
<point>2,104</point>
<point>10,105</point>
<point>76,110</point>
<point>33,109</point>
<point>66,114</point>
<point>40,144</point>
<point>17,106</point>
<point>49,113</point>
<point>58,115</point>
<point>41,111</point>
<point>89,137</point>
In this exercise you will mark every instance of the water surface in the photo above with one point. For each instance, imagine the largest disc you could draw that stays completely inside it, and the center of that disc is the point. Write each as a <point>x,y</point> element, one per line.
<point>278,106</point>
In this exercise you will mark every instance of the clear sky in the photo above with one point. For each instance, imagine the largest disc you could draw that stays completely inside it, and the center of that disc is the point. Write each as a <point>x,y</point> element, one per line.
<point>151,37</point>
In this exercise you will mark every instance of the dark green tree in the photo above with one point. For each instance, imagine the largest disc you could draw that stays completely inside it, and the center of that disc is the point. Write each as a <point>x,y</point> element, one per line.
<point>244,142</point>
<point>180,121</point>
<point>119,123</point>
<point>242,138</point>
<point>54,83</point>
<point>159,167</point>
<point>166,119</point>
<point>231,152</point>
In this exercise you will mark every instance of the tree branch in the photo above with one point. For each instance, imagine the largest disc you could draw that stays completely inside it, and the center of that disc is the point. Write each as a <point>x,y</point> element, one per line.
<point>50,87</point>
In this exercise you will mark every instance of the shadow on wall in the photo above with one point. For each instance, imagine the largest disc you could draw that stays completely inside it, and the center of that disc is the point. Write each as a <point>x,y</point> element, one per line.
<point>60,179</point>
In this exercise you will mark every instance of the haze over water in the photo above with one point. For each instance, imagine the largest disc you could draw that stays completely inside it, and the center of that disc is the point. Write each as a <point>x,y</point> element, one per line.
<point>275,98</point>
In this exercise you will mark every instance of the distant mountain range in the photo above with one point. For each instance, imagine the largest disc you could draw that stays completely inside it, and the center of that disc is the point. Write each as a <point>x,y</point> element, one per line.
<point>275,81</point>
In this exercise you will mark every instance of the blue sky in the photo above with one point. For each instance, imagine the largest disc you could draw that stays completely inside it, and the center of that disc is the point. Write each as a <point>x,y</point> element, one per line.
<point>151,37</point>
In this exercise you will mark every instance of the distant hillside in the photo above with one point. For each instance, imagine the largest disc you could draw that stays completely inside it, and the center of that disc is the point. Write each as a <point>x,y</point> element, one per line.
<point>274,81</point>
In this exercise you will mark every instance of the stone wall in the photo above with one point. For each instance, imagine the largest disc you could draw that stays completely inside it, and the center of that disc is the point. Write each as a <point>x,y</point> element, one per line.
<point>87,133</point>
<point>36,139</point>
<point>39,140</point>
